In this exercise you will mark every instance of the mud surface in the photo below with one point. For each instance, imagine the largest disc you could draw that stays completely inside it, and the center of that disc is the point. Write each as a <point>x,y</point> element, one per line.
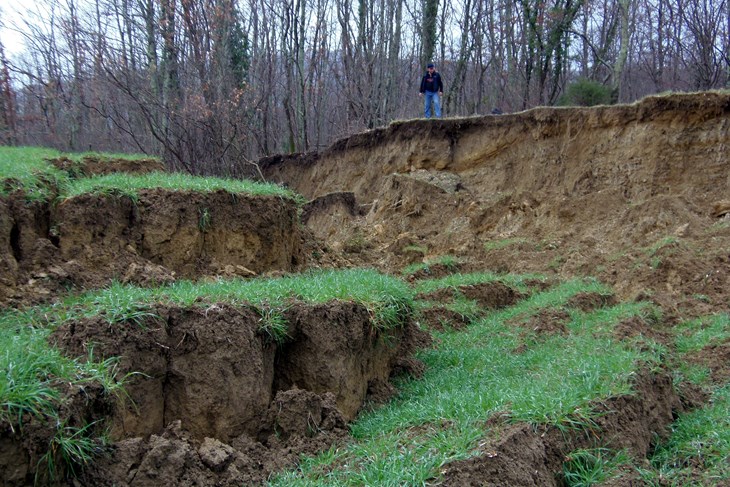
<point>635,196</point>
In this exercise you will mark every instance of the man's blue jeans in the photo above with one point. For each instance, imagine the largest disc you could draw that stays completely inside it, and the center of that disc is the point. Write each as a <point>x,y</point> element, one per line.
<point>430,96</point>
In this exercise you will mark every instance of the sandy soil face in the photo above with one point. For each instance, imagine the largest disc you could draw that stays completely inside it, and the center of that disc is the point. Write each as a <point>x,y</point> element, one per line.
<point>637,196</point>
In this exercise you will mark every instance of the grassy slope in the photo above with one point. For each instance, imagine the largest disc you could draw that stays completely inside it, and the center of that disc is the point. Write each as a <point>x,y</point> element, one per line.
<point>472,374</point>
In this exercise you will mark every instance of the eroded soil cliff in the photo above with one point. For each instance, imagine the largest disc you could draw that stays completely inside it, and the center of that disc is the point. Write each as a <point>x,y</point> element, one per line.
<point>637,195</point>
<point>89,240</point>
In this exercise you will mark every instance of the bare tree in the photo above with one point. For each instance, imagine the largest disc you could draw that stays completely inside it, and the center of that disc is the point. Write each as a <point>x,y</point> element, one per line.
<point>8,128</point>
<point>211,85</point>
<point>428,36</point>
<point>702,45</point>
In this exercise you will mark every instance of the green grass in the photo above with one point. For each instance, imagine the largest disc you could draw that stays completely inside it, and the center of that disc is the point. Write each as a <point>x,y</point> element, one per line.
<point>691,337</point>
<point>592,466</point>
<point>130,185</point>
<point>274,325</point>
<point>70,449</point>
<point>698,451</point>
<point>33,370</point>
<point>601,320</point>
<point>79,156</point>
<point>696,334</point>
<point>694,374</point>
<point>519,282</point>
<point>450,262</point>
<point>32,373</point>
<point>386,297</point>
<point>473,375</point>
<point>500,244</point>
<point>26,168</point>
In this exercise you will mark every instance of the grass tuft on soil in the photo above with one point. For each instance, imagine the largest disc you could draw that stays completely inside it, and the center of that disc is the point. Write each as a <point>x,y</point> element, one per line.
<point>592,466</point>
<point>701,332</point>
<point>449,262</point>
<point>34,373</point>
<point>34,370</point>
<point>698,451</point>
<point>387,297</point>
<point>521,282</point>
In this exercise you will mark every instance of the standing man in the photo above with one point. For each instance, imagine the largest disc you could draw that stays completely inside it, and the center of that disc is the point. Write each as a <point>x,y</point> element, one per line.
<point>432,87</point>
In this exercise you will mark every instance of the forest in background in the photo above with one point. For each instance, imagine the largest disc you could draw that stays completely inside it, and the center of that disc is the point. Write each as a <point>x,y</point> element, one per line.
<point>212,85</point>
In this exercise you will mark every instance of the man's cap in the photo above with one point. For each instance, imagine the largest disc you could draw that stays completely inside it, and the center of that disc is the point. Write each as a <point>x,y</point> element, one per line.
<point>430,65</point>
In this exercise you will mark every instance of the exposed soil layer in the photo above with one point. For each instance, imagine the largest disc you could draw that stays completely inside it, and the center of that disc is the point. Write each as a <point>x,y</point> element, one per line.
<point>539,149</point>
<point>88,240</point>
<point>489,295</point>
<point>212,389</point>
<point>634,195</point>
<point>217,371</point>
<point>98,166</point>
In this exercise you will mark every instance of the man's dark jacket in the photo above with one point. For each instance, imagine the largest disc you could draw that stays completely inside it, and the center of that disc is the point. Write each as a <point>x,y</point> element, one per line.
<point>432,82</point>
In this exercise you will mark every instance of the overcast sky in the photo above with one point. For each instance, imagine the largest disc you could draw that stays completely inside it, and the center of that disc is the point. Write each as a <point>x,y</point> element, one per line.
<point>11,40</point>
<point>11,20</point>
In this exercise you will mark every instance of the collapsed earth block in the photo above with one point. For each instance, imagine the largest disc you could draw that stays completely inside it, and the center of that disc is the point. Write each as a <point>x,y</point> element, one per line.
<point>89,240</point>
<point>209,381</point>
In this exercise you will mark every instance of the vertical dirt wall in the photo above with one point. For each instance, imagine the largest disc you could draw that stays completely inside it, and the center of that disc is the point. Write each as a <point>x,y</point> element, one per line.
<point>88,240</point>
<point>188,233</point>
<point>650,147</point>
<point>214,370</point>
